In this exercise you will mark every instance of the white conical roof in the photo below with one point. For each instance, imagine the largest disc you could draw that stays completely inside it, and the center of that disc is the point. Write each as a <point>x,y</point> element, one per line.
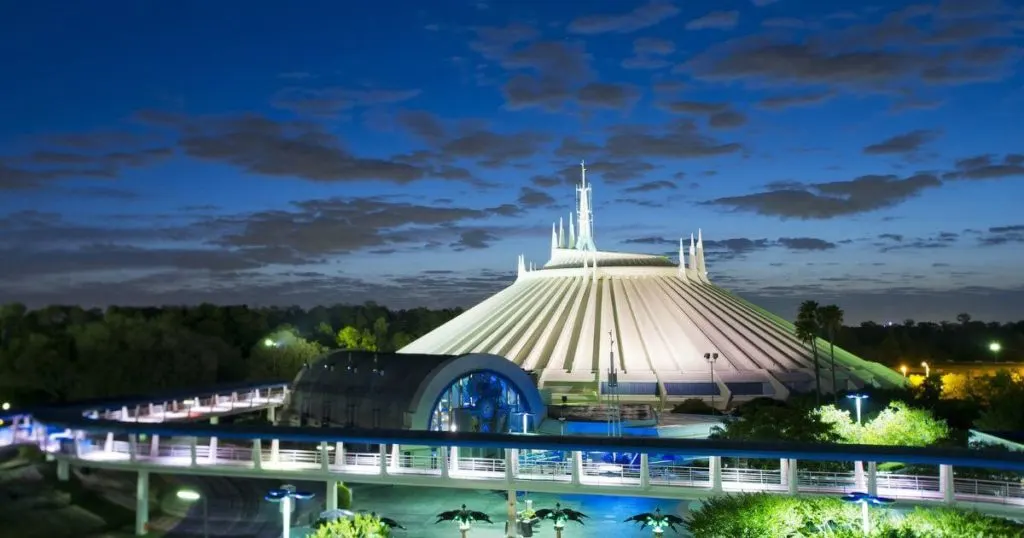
<point>566,320</point>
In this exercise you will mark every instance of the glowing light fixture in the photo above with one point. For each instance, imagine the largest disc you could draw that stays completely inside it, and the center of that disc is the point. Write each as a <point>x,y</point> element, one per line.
<point>927,369</point>
<point>192,496</point>
<point>286,495</point>
<point>857,398</point>
<point>995,347</point>
<point>865,500</point>
<point>903,370</point>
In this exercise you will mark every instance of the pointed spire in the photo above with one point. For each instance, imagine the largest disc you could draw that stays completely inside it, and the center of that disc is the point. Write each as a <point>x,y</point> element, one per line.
<point>561,233</point>
<point>700,239</point>
<point>521,266</point>
<point>554,237</point>
<point>584,213</point>
<point>572,233</point>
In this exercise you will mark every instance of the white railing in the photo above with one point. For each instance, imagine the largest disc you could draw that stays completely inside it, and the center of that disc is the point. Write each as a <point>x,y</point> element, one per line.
<point>910,487</point>
<point>193,407</point>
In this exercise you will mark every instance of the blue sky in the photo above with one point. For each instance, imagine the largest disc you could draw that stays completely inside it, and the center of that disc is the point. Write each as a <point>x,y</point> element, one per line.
<point>407,152</point>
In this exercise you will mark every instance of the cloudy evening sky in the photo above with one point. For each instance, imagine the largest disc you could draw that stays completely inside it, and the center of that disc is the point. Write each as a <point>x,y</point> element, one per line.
<point>406,152</point>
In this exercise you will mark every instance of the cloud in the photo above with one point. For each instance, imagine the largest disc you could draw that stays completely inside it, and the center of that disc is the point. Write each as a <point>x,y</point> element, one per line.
<point>424,125</point>
<point>474,239</point>
<point>81,157</point>
<point>877,57</point>
<point>651,186</point>
<point>678,140</point>
<point>727,120</point>
<point>330,102</point>
<point>1003,235</point>
<point>789,101</point>
<point>530,197</point>
<point>905,143</point>
<point>719,115</point>
<point>644,16</point>
<point>762,3</point>
<point>739,247</point>
<point>609,171</point>
<point>553,69</point>
<point>716,20</point>
<point>982,167</point>
<point>649,53</point>
<point>603,95</point>
<point>260,145</point>
<point>832,199</point>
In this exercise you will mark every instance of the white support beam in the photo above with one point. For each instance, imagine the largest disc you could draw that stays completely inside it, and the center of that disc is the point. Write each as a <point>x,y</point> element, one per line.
<point>331,503</point>
<point>275,450</point>
<point>154,446</point>
<point>192,452</point>
<point>576,467</point>
<point>946,484</point>
<point>142,504</point>
<point>383,459</point>
<point>792,477</point>
<point>325,459</point>
<point>872,478</point>
<point>715,471</point>
<point>645,471</point>
<point>257,453</point>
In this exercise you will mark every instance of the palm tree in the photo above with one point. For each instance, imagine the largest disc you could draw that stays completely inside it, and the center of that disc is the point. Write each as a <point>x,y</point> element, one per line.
<point>831,319</point>
<point>561,516</point>
<point>464,518</point>
<point>807,330</point>
<point>657,521</point>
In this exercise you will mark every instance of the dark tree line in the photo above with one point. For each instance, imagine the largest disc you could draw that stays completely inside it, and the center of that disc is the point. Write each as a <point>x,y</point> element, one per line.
<point>65,353</point>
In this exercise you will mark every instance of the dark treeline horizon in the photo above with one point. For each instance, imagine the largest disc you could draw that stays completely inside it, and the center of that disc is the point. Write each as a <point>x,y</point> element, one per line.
<point>64,353</point>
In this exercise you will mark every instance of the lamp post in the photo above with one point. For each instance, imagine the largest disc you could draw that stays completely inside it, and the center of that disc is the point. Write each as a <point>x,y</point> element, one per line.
<point>995,348</point>
<point>286,495</point>
<point>192,496</point>
<point>927,370</point>
<point>711,358</point>
<point>857,398</point>
<point>903,370</point>
<point>866,499</point>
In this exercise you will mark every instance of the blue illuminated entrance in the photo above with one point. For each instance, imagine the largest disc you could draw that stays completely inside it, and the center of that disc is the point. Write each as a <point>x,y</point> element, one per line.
<point>481,401</point>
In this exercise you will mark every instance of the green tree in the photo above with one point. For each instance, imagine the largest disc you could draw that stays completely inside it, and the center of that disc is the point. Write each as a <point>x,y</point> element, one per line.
<point>807,330</point>
<point>776,423</point>
<point>902,425</point>
<point>281,354</point>
<point>360,525</point>
<point>831,319</point>
<point>352,338</point>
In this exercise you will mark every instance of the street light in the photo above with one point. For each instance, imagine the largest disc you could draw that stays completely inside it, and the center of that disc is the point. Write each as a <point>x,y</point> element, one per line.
<point>866,499</point>
<point>927,370</point>
<point>191,496</point>
<point>711,358</point>
<point>269,343</point>
<point>903,369</point>
<point>995,347</point>
<point>6,406</point>
<point>857,398</point>
<point>286,496</point>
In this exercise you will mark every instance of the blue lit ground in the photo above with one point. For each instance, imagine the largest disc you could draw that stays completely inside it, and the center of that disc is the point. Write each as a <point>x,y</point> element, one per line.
<point>415,508</point>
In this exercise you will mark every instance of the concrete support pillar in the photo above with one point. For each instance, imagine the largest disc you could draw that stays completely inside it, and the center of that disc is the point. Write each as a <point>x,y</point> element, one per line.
<point>142,504</point>
<point>331,502</point>
<point>872,478</point>
<point>715,472</point>
<point>645,471</point>
<point>442,456</point>
<point>325,460</point>
<point>257,454</point>
<point>514,462</point>
<point>108,443</point>
<point>339,453</point>
<point>275,450</point>
<point>149,410</point>
<point>154,446</point>
<point>858,476</point>
<point>512,531</point>
<point>510,473</point>
<point>213,441</point>
<point>946,484</point>
<point>192,450</point>
<point>63,470</point>
<point>576,467</point>
<point>234,398</point>
<point>272,415</point>
<point>396,455</point>
<point>133,446</point>
<point>383,459</point>
<point>453,459</point>
<point>792,477</point>
<point>138,412</point>
<point>124,413</point>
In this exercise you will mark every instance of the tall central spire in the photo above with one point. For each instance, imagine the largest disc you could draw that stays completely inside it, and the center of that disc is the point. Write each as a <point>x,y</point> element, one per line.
<point>585,229</point>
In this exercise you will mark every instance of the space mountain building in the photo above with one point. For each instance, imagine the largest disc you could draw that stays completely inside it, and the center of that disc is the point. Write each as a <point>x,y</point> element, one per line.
<point>649,324</point>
